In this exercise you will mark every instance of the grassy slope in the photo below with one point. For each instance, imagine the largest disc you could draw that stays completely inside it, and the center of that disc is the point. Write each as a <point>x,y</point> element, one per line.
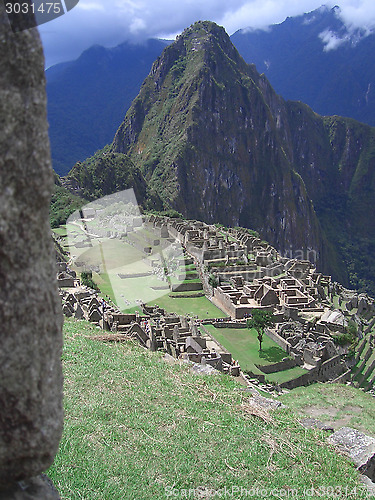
<point>335,402</point>
<point>63,204</point>
<point>136,425</point>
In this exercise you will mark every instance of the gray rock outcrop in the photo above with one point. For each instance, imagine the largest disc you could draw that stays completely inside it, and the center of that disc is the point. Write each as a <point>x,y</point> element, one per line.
<point>359,447</point>
<point>36,488</point>
<point>31,414</point>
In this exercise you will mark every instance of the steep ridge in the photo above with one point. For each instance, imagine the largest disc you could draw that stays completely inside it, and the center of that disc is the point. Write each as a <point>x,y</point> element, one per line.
<point>217,143</point>
<point>106,173</point>
<point>213,138</point>
<point>336,158</point>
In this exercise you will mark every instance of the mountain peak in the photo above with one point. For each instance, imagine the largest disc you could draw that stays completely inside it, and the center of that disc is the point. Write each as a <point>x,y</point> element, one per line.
<point>202,29</point>
<point>207,132</point>
<point>204,35</point>
<point>200,48</point>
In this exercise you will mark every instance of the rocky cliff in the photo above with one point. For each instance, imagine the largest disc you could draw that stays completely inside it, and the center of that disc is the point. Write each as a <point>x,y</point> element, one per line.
<point>209,132</point>
<point>214,140</point>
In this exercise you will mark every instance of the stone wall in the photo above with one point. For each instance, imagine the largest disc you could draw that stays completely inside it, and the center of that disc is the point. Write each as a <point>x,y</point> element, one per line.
<point>285,364</point>
<point>279,340</point>
<point>329,367</point>
<point>187,287</point>
<point>230,324</point>
<point>305,379</point>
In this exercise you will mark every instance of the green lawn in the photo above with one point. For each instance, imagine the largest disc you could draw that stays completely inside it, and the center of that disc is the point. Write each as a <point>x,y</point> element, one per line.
<point>103,282</point>
<point>194,306</point>
<point>137,427</point>
<point>112,254</point>
<point>115,257</point>
<point>60,231</point>
<point>133,288</point>
<point>285,375</point>
<point>126,292</point>
<point>244,346</point>
<point>188,267</point>
<point>336,304</point>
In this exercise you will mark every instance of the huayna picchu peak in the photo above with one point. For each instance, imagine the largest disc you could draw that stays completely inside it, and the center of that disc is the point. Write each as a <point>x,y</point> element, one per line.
<point>209,133</point>
<point>214,140</point>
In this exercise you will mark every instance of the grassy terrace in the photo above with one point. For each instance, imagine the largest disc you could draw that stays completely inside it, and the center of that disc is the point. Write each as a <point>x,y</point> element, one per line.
<point>359,377</point>
<point>60,231</point>
<point>176,281</point>
<point>193,306</point>
<point>244,346</point>
<point>188,267</point>
<point>334,404</point>
<point>136,426</point>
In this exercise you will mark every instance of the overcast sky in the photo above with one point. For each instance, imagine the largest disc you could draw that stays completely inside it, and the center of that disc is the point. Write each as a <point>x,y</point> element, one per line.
<point>110,22</point>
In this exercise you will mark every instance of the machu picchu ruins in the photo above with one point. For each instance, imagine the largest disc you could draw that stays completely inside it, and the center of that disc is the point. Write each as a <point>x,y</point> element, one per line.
<point>238,273</point>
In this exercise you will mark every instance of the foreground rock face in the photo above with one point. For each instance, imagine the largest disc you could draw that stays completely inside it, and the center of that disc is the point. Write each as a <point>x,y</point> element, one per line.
<point>36,488</point>
<point>357,446</point>
<point>30,311</point>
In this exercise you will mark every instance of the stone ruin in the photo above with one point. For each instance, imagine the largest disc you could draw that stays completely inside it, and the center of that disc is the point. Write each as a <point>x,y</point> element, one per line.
<point>175,335</point>
<point>155,329</point>
<point>284,293</point>
<point>253,275</point>
<point>31,414</point>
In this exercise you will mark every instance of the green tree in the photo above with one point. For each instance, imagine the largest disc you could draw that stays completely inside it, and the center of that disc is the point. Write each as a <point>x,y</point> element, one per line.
<point>259,320</point>
<point>213,281</point>
<point>86,279</point>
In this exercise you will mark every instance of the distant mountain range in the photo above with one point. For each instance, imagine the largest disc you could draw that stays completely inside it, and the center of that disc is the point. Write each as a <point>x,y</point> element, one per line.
<point>294,57</point>
<point>210,136</point>
<point>88,98</point>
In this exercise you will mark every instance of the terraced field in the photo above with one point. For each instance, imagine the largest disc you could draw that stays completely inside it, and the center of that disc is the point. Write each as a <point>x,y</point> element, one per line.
<point>364,370</point>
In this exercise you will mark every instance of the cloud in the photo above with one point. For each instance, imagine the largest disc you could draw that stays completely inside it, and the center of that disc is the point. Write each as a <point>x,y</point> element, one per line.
<point>137,26</point>
<point>332,41</point>
<point>110,22</point>
<point>259,14</point>
<point>358,14</point>
<point>359,20</point>
<point>91,6</point>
